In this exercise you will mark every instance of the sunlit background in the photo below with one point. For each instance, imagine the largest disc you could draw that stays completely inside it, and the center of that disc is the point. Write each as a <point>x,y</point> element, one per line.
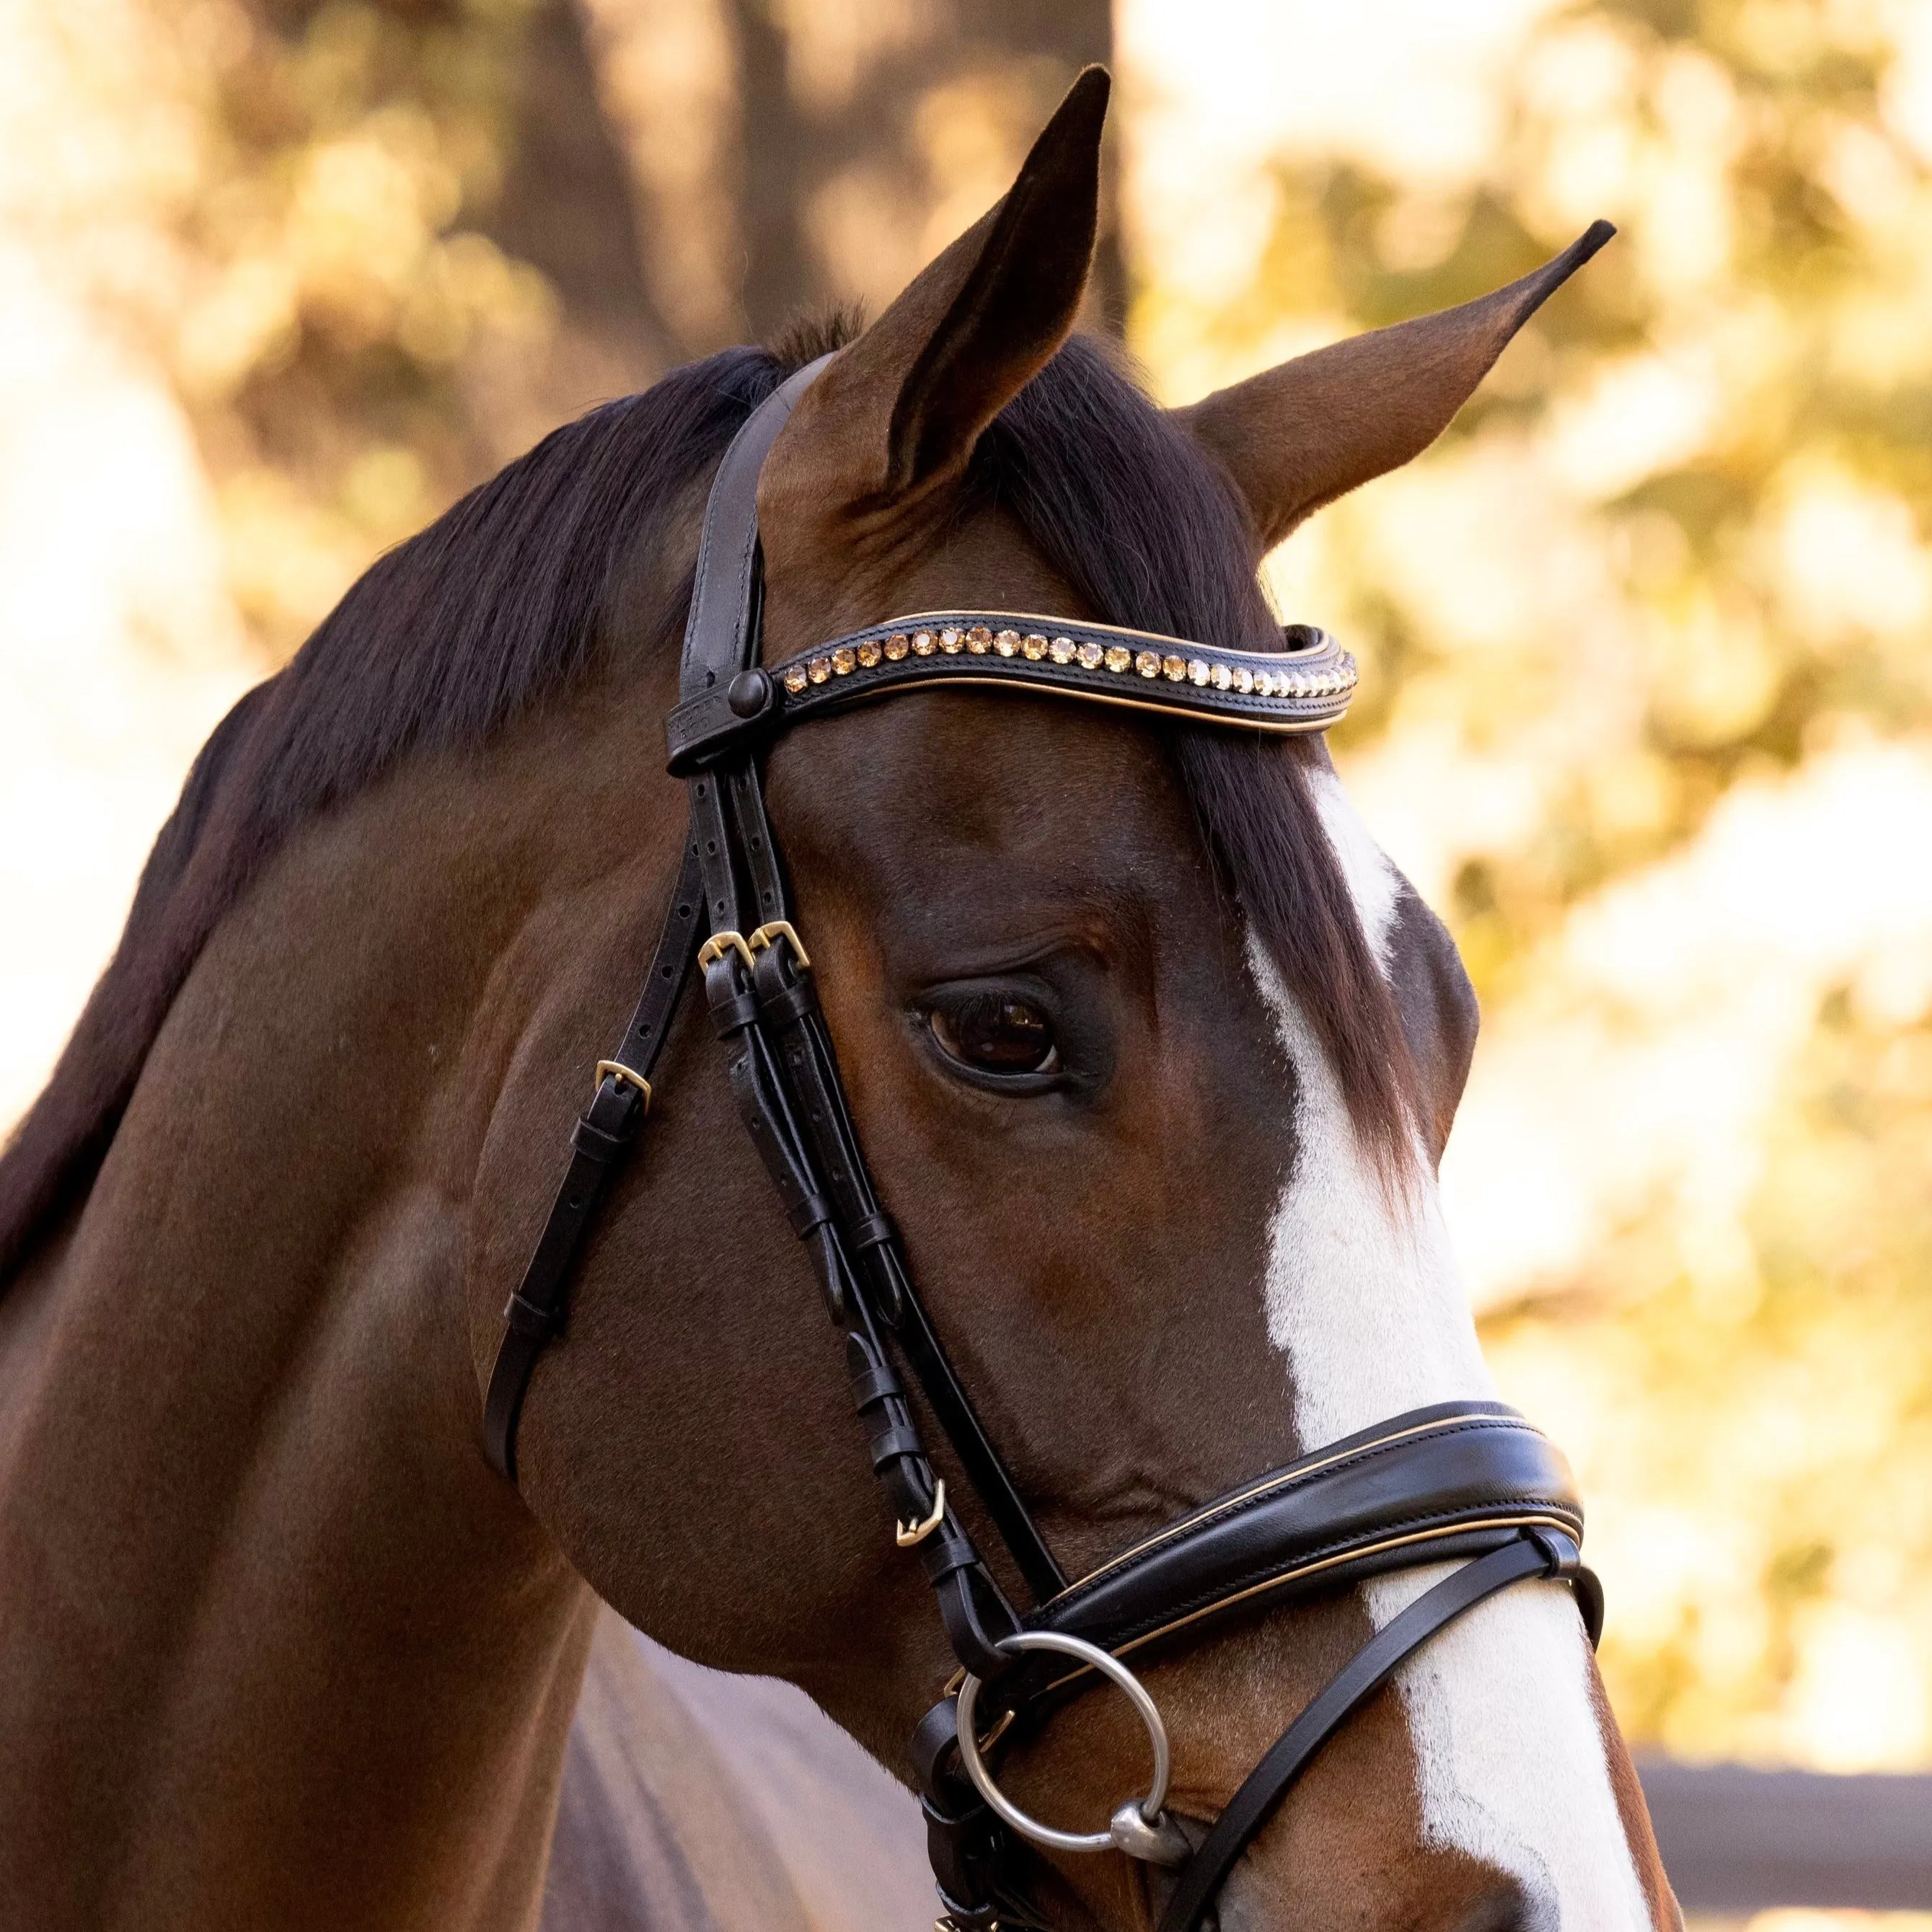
<point>1645,638</point>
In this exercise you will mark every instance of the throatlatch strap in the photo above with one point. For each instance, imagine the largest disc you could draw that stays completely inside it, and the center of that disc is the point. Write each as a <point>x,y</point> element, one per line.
<point>535,1312</point>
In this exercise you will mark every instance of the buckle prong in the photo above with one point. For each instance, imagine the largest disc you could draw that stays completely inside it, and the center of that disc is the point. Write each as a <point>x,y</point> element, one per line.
<point>905,1534</point>
<point>784,929</point>
<point>618,1071</point>
<point>715,948</point>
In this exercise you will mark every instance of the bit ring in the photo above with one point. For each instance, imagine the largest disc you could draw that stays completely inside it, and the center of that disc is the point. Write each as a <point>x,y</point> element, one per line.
<point>1140,1829</point>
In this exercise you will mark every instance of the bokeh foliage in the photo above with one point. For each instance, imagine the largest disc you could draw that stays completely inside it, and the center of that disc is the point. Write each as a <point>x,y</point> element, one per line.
<point>1664,591</point>
<point>1645,638</point>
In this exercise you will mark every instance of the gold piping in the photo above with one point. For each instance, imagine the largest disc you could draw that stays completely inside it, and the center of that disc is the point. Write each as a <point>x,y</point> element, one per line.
<point>1437,1534</point>
<point>1285,1479</point>
<point>1288,726</point>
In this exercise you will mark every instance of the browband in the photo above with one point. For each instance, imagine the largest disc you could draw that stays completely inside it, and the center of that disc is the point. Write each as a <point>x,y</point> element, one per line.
<point>1306,686</point>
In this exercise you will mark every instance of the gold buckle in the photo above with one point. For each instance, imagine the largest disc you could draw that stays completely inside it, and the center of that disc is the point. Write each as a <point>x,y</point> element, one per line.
<point>905,1534</point>
<point>715,948</point>
<point>785,929</point>
<point>617,1070</point>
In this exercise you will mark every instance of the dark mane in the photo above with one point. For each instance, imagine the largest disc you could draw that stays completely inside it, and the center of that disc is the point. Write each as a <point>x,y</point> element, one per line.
<point>497,608</point>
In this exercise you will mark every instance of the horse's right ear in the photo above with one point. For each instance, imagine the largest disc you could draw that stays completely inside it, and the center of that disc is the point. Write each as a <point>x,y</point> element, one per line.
<point>896,417</point>
<point>1296,437</point>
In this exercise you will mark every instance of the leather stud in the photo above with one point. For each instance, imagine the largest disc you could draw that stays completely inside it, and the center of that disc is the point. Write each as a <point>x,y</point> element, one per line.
<point>749,692</point>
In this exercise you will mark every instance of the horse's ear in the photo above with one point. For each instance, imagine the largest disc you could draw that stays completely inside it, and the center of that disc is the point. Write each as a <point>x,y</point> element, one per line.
<point>900,409</point>
<point>1299,436</point>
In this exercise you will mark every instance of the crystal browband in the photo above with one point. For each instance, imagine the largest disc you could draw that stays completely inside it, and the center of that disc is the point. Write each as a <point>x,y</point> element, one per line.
<point>1305,687</point>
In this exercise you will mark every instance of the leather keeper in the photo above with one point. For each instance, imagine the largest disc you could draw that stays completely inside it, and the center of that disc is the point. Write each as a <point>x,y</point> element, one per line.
<point>875,1385</point>
<point>890,1444</point>
<point>527,1318</point>
<point>872,1231</point>
<point>810,1214</point>
<point>734,1013</point>
<point>596,1144</point>
<point>790,1003</point>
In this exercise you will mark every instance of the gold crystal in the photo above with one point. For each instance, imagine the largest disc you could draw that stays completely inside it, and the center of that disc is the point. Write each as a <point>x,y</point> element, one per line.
<point>979,640</point>
<point>1064,650</point>
<point>795,679</point>
<point>949,641</point>
<point>819,670</point>
<point>1118,657</point>
<point>869,653</point>
<point>897,645</point>
<point>1034,645</point>
<point>1148,663</point>
<point>1174,669</point>
<point>1198,672</point>
<point>1007,643</point>
<point>1090,654</point>
<point>924,643</point>
<point>843,659</point>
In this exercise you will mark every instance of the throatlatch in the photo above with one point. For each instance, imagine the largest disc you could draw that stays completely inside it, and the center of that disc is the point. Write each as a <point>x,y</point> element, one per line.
<point>1469,1481</point>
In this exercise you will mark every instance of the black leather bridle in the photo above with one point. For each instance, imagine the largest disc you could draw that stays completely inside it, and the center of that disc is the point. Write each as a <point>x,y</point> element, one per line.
<point>1469,1481</point>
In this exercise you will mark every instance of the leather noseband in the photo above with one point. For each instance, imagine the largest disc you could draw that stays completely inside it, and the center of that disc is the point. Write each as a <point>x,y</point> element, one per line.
<point>1467,1483</point>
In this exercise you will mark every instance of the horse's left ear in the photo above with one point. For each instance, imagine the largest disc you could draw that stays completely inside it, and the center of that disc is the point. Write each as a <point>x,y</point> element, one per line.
<point>1299,436</point>
<point>896,416</point>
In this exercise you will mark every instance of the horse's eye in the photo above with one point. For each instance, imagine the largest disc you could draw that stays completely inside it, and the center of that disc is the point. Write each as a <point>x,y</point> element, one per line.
<point>996,1033</point>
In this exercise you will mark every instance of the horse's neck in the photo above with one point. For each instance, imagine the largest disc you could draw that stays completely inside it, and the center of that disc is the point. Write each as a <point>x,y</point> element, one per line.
<point>278,1648</point>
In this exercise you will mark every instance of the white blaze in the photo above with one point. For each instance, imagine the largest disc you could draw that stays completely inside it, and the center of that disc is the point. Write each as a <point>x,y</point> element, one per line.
<point>1363,1300</point>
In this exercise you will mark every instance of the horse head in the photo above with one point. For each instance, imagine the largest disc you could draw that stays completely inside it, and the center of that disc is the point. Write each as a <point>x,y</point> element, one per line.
<point>1152,1052</point>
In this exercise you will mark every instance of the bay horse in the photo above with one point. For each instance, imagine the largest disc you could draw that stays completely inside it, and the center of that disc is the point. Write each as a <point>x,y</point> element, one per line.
<point>1152,1050</point>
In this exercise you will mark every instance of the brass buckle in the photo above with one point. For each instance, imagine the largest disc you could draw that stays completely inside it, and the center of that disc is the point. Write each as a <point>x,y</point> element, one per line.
<point>617,1070</point>
<point>785,929</point>
<point>715,948</point>
<point>905,1534</point>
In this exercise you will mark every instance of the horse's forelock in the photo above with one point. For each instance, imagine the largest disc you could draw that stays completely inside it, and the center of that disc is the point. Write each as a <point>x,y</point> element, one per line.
<point>1123,503</point>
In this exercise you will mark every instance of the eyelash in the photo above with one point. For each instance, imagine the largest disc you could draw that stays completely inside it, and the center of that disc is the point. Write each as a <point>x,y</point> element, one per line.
<point>955,1024</point>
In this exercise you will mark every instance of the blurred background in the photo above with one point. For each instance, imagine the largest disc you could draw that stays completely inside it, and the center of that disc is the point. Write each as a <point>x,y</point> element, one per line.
<point>1645,638</point>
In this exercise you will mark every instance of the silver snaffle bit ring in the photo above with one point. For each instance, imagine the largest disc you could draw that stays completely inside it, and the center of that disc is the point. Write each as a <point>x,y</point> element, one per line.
<point>1139,1828</point>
